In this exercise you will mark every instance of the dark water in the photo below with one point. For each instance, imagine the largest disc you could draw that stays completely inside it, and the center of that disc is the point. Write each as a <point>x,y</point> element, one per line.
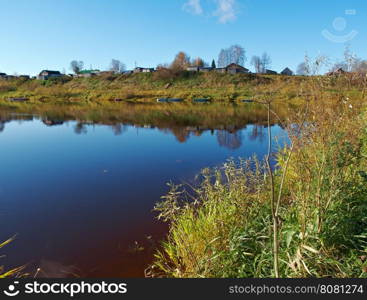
<point>80,197</point>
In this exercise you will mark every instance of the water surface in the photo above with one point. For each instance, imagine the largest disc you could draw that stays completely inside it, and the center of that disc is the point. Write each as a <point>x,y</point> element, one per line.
<point>80,196</point>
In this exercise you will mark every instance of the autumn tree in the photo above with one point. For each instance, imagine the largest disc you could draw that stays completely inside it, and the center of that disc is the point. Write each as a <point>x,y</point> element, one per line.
<point>198,62</point>
<point>181,61</point>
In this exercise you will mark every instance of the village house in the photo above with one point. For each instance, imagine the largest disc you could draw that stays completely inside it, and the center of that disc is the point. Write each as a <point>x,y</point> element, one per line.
<point>205,69</point>
<point>46,74</point>
<point>3,75</point>
<point>88,73</point>
<point>220,70</point>
<point>143,70</point>
<point>192,69</point>
<point>231,69</point>
<point>235,68</point>
<point>287,72</point>
<point>337,72</point>
<point>270,72</point>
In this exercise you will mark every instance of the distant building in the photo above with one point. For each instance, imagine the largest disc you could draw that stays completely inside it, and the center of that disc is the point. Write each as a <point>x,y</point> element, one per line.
<point>270,72</point>
<point>235,68</point>
<point>287,72</point>
<point>337,72</point>
<point>192,69</point>
<point>3,75</point>
<point>51,122</point>
<point>26,77</point>
<point>220,70</point>
<point>88,73</point>
<point>205,69</point>
<point>46,74</point>
<point>143,70</point>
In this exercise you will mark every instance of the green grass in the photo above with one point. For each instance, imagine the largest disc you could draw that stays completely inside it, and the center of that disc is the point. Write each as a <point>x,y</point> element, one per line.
<point>223,226</point>
<point>10,273</point>
<point>147,87</point>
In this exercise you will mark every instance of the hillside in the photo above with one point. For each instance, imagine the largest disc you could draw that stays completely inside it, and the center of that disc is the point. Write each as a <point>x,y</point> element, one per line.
<point>148,87</point>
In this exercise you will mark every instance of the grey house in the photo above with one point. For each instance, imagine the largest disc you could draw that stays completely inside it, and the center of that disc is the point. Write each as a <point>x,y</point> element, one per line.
<point>143,70</point>
<point>192,69</point>
<point>46,74</point>
<point>205,69</point>
<point>234,68</point>
<point>287,72</point>
<point>3,75</point>
<point>337,72</point>
<point>270,72</point>
<point>220,70</point>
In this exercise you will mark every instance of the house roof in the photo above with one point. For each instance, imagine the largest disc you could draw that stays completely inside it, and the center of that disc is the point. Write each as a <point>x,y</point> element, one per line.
<point>233,65</point>
<point>270,71</point>
<point>88,71</point>
<point>287,70</point>
<point>338,71</point>
<point>51,72</point>
<point>142,68</point>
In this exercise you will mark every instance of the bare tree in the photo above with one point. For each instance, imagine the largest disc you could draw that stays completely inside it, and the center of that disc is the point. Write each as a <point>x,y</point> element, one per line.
<point>339,65</point>
<point>350,59</point>
<point>76,66</point>
<point>234,54</point>
<point>237,54</point>
<point>117,66</point>
<point>302,69</point>
<point>223,59</point>
<point>256,63</point>
<point>360,67</point>
<point>181,61</point>
<point>312,66</point>
<point>265,62</point>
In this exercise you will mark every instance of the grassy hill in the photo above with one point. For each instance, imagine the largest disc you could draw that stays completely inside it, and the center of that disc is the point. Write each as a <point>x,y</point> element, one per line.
<point>148,87</point>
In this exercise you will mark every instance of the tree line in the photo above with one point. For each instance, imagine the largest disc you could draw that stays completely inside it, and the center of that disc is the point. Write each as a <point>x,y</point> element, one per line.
<point>236,54</point>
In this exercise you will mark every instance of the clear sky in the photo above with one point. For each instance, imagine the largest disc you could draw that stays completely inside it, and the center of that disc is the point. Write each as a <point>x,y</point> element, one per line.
<point>48,34</point>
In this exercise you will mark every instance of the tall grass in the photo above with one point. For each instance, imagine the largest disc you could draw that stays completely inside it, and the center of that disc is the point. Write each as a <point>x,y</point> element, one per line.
<point>147,87</point>
<point>10,273</point>
<point>224,227</point>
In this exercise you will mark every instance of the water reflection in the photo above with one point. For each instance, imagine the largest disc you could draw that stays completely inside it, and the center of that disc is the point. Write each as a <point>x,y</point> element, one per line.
<point>229,137</point>
<point>80,194</point>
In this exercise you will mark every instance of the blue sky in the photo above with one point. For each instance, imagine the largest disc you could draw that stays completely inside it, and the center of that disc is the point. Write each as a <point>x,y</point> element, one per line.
<point>48,34</point>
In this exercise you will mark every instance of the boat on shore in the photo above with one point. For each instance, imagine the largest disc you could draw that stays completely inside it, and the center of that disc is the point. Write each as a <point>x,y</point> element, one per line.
<point>169,100</point>
<point>18,99</point>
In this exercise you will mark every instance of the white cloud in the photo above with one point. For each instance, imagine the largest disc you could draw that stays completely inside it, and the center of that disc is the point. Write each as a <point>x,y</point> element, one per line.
<point>193,7</point>
<point>226,11</point>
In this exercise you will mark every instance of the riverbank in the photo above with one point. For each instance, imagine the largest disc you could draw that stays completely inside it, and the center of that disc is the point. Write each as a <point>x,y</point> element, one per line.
<point>308,219</point>
<point>145,88</point>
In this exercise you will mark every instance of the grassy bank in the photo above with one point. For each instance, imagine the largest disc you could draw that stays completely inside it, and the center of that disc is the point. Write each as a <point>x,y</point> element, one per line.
<point>147,87</point>
<point>224,227</point>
